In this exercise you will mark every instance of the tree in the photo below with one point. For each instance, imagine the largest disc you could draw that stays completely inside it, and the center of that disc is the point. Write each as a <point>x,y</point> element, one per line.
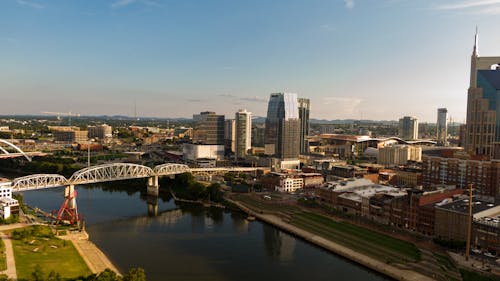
<point>135,274</point>
<point>54,276</point>
<point>37,274</point>
<point>107,275</point>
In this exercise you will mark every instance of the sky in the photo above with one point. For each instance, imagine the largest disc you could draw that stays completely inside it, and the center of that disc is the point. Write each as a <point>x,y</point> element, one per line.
<point>354,59</point>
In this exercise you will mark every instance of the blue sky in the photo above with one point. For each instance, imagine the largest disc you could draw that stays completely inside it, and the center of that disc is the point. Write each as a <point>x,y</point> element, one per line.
<point>370,59</point>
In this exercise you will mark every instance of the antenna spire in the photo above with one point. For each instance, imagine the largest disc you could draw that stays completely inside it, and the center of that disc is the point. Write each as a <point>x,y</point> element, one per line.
<point>476,48</point>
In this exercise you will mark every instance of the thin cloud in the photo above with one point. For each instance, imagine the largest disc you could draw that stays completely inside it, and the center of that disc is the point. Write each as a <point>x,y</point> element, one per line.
<point>30,4</point>
<point>227,95</point>
<point>194,100</point>
<point>121,3</point>
<point>488,11</point>
<point>8,40</point>
<point>349,4</point>
<point>467,4</point>
<point>254,99</point>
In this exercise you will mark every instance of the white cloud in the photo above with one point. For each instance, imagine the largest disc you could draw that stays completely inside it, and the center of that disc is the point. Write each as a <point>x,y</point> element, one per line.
<point>333,107</point>
<point>30,4</point>
<point>467,4</point>
<point>255,99</point>
<point>121,3</point>
<point>349,4</point>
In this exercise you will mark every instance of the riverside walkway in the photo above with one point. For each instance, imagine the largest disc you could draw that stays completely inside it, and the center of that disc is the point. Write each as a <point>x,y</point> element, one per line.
<point>95,259</point>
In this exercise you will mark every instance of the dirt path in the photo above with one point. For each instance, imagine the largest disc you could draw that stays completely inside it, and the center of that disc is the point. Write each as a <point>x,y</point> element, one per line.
<point>9,257</point>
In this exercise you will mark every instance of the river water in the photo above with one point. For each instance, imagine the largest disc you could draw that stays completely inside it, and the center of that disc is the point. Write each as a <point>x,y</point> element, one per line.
<point>193,243</point>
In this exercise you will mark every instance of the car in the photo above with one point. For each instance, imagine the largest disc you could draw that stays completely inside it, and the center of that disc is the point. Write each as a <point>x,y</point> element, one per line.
<point>490,255</point>
<point>267,197</point>
<point>476,251</point>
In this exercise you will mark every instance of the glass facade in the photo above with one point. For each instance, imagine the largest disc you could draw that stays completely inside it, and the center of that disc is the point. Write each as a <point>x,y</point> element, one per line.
<point>208,128</point>
<point>304,108</point>
<point>282,133</point>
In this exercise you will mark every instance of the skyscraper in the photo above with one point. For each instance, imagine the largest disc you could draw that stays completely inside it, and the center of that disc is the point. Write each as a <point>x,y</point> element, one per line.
<point>208,128</point>
<point>243,132</point>
<point>442,127</point>
<point>229,136</point>
<point>282,136</point>
<point>304,108</point>
<point>408,128</point>
<point>483,104</point>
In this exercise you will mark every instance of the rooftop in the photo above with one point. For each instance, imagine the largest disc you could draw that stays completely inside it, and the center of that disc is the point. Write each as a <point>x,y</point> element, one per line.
<point>461,205</point>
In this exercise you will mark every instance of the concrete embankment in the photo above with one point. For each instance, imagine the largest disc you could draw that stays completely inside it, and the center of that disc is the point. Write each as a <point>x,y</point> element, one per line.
<point>376,265</point>
<point>95,259</point>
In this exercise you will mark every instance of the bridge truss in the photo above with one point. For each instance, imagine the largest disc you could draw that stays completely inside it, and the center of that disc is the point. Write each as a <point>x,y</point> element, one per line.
<point>114,172</point>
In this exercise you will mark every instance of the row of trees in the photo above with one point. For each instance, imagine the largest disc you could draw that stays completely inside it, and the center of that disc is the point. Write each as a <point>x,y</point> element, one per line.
<point>185,186</point>
<point>134,274</point>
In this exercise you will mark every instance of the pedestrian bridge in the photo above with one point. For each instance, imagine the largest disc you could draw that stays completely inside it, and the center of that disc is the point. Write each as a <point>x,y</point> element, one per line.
<point>116,172</point>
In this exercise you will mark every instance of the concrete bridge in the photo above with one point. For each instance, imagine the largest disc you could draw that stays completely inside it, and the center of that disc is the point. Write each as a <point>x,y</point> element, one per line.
<point>119,171</point>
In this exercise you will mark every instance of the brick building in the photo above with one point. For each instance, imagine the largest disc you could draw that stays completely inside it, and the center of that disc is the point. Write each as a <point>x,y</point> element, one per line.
<point>484,175</point>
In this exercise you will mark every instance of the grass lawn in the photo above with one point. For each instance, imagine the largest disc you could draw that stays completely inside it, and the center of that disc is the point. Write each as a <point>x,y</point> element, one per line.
<point>36,245</point>
<point>372,243</point>
<point>3,261</point>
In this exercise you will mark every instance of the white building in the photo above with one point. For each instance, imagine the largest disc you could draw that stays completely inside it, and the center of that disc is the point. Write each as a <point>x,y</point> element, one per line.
<point>243,133</point>
<point>290,184</point>
<point>8,205</point>
<point>399,154</point>
<point>193,152</point>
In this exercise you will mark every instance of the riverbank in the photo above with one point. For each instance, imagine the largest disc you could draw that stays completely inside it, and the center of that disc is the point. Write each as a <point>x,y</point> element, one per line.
<point>376,265</point>
<point>95,259</point>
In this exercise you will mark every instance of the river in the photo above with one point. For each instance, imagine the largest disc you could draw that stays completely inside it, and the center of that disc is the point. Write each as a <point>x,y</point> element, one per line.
<point>193,243</point>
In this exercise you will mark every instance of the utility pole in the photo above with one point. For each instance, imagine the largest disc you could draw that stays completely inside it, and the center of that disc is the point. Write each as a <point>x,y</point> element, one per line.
<point>469,225</point>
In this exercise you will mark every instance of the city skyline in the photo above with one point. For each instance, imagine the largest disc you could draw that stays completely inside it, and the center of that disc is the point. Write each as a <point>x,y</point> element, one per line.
<point>352,59</point>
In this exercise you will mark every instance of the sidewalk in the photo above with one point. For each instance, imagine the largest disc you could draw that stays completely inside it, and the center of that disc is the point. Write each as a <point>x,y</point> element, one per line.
<point>95,259</point>
<point>9,257</point>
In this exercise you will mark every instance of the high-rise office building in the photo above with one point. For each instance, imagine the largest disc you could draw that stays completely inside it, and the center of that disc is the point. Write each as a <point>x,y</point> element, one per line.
<point>208,128</point>
<point>408,128</point>
<point>229,136</point>
<point>282,136</point>
<point>483,104</point>
<point>442,126</point>
<point>304,108</point>
<point>243,132</point>
<point>101,132</point>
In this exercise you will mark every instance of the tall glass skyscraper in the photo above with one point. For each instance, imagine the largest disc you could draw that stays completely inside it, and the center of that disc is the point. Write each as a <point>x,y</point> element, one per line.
<point>442,127</point>
<point>304,108</point>
<point>243,133</point>
<point>282,135</point>
<point>483,104</point>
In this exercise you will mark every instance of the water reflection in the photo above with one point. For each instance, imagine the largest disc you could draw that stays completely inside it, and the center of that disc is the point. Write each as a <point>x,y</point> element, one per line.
<point>279,245</point>
<point>188,242</point>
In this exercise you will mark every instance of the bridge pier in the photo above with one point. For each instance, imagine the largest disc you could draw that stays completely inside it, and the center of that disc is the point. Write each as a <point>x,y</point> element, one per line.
<point>153,186</point>
<point>152,206</point>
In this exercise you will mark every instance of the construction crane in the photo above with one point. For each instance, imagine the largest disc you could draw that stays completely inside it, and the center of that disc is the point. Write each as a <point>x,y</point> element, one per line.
<point>59,114</point>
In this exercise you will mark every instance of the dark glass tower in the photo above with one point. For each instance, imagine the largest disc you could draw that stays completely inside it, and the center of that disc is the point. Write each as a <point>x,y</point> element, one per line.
<point>282,135</point>
<point>208,128</point>
<point>304,108</point>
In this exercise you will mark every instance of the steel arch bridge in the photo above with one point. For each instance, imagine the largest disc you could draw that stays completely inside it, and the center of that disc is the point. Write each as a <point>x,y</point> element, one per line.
<point>39,181</point>
<point>170,169</point>
<point>13,146</point>
<point>110,172</point>
<point>115,172</point>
